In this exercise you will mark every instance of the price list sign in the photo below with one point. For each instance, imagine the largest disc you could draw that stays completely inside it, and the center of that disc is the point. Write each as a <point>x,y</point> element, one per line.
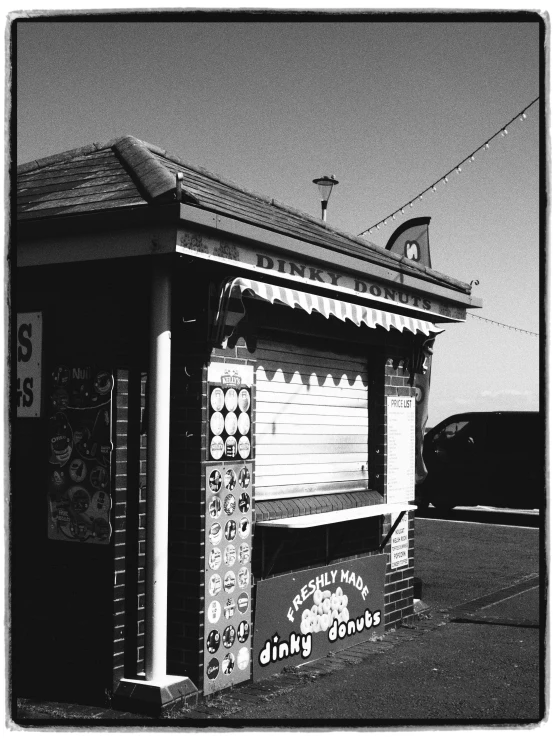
<point>400,449</point>
<point>229,412</point>
<point>227,589</point>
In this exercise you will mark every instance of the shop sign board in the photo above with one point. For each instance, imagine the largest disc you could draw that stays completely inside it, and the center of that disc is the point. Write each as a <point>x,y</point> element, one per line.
<point>79,454</point>
<point>29,364</point>
<point>302,616</point>
<point>311,272</point>
<point>227,589</point>
<point>399,545</point>
<point>229,411</point>
<point>400,449</point>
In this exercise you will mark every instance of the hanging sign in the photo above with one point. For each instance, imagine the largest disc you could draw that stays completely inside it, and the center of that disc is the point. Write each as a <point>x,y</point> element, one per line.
<point>29,364</point>
<point>227,588</point>
<point>79,461</point>
<point>229,411</point>
<point>305,615</point>
<point>400,449</point>
<point>399,545</point>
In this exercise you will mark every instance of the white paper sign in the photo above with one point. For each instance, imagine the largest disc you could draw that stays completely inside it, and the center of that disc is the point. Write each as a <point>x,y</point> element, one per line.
<point>229,374</point>
<point>400,449</point>
<point>399,545</point>
<point>29,364</point>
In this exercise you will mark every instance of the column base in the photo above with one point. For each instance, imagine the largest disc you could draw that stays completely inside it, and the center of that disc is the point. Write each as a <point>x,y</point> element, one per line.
<point>153,697</point>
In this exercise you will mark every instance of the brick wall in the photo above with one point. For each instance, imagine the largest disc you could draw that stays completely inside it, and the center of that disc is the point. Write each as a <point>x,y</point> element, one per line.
<point>399,590</point>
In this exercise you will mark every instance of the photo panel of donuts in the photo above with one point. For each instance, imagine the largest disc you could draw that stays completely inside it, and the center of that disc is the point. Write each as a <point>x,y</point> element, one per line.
<point>227,591</point>
<point>79,455</point>
<point>229,412</point>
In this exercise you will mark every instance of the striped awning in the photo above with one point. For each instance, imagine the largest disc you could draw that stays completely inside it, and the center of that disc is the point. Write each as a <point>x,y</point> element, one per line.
<point>231,308</point>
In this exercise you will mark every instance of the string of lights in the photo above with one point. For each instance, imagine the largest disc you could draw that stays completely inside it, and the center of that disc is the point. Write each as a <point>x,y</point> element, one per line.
<point>504,325</point>
<point>522,115</point>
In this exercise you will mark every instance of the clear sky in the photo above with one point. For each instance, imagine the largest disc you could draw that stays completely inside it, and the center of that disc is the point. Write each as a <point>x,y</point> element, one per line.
<point>386,106</point>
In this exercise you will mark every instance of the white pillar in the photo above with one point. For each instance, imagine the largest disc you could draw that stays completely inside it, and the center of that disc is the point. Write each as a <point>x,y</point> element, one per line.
<point>157,491</point>
<point>157,689</point>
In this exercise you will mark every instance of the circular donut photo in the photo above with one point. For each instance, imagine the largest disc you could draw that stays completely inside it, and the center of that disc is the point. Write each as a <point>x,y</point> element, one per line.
<point>213,640</point>
<point>229,504</point>
<point>230,530</point>
<point>216,532</point>
<point>215,507</point>
<point>228,664</point>
<point>214,585</point>
<point>217,423</point>
<point>229,636</point>
<point>214,559</point>
<point>230,555</point>
<point>244,400</point>
<point>231,399</point>
<point>244,477</point>
<point>244,502</point>
<point>231,424</point>
<point>217,447</point>
<point>230,481</point>
<point>243,424</point>
<point>215,481</point>
<point>217,399</point>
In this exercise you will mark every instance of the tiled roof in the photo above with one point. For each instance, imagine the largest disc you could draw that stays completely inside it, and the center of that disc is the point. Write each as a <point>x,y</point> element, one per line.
<point>127,172</point>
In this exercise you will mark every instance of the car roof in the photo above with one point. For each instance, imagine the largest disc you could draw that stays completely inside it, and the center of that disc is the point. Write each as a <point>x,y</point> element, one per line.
<point>487,414</point>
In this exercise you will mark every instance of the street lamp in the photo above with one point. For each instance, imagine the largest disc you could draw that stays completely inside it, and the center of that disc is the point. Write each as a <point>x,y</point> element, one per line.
<point>325,185</point>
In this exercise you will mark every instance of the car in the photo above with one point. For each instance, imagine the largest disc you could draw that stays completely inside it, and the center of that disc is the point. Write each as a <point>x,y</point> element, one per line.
<point>487,458</point>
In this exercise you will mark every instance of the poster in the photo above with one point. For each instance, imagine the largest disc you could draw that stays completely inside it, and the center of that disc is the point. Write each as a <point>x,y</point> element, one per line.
<point>227,589</point>
<point>29,365</point>
<point>79,457</point>
<point>229,411</point>
<point>400,449</point>
<point>305,615</point>
<point>399,545</point>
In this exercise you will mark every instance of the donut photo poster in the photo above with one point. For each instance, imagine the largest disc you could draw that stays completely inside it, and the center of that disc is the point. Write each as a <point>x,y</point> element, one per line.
<point>79,454</point>
<point>227,573</point>
<point>229,411</point>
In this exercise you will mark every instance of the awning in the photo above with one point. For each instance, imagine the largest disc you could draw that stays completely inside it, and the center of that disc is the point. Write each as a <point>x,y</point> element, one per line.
<point>231,308</point>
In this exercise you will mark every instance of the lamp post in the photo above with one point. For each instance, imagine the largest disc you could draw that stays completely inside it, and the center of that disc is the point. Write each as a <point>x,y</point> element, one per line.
<point>325,185</point>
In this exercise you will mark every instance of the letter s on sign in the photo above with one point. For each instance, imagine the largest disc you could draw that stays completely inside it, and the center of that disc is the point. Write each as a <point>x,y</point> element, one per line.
<point>25,346</point>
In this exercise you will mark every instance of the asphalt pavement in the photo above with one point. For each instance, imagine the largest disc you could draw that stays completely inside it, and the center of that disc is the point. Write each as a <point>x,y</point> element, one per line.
<point>473,655</point>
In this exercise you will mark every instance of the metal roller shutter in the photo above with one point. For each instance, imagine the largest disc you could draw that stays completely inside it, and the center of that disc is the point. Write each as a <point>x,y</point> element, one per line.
<point>311,424</point>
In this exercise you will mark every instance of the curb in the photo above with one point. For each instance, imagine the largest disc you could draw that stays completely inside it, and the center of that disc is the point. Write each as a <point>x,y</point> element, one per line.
<point>225,704</point>
<point>234,699</point>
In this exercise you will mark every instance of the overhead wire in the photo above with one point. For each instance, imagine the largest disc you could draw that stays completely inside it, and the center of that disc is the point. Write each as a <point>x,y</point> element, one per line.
<point>503,131</point>
<point>504,325</point>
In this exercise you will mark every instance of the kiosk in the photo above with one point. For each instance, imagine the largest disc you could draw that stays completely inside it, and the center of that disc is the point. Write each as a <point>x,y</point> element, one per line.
<point>218,417</point>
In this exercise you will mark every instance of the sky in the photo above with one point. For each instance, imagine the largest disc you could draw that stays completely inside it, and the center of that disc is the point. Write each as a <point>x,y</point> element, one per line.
<point>386,105</point>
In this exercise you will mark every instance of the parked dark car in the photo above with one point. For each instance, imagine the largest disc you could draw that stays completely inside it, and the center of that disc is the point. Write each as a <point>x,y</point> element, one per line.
<point>495,459</point>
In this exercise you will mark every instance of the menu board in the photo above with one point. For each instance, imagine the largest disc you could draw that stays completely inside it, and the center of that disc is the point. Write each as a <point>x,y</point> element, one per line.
<point>79,459</point>
<point>229,411</point>
<point>227,589</point>
<point>400,449</point>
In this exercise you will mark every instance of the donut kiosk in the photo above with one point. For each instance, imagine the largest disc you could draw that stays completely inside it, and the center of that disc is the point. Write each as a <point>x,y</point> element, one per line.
<point>218,416</point>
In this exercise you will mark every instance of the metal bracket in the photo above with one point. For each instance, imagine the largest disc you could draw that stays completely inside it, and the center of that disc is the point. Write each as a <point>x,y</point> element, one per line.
<point>391,532</point>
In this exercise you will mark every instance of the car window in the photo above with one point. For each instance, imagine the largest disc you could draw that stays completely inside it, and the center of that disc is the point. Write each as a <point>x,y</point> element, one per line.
<point>449,431</point>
